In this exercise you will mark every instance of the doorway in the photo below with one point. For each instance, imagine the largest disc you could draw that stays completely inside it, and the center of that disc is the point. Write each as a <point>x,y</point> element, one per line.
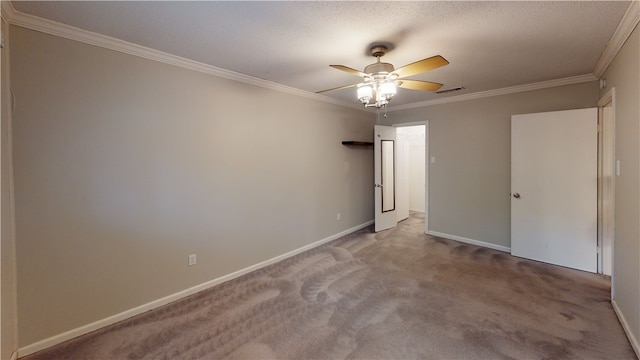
<point>412,171</point>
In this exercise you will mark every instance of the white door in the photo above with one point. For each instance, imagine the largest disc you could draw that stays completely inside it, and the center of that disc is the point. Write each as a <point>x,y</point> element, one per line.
<point>385,176</point>
<point>554,187</point>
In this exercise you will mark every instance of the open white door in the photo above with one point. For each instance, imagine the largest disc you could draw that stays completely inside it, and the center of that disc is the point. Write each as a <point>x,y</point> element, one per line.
<point>554,187</point>
<point>385,176</point>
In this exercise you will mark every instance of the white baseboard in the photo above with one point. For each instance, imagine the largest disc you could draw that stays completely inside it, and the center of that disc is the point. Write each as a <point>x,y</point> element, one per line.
<point>68,335</point>
<point>14,355</point>
<point>627,329</point>
<point>470,241</point>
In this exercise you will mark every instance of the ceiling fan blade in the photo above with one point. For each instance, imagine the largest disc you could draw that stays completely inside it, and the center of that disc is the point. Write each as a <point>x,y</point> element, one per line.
<point>337,88</point>
<point>349,70</point>
<point>421,66</point>
<point>420,85</point>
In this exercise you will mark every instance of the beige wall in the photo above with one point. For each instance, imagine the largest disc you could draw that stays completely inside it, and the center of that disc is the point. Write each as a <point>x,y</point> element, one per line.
<point>624,75</point>
<point>124,166</point>
<point>470,182</point>
<point>8,311</point>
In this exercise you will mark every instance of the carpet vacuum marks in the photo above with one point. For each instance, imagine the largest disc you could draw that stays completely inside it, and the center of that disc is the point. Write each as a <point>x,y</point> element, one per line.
<point>397,294</point>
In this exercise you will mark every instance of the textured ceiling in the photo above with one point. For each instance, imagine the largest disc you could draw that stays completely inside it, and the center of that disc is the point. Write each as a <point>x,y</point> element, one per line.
<point>489,45</point>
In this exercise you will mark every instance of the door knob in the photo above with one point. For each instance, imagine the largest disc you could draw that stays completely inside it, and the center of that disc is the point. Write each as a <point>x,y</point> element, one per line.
<point>516,195</point>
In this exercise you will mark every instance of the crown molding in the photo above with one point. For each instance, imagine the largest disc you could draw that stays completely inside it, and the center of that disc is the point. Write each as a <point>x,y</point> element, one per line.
<point>624,29</point>
<point>32,22</point>
<point>7,10</point>
<point>502,91</point>
<point>626,26</point>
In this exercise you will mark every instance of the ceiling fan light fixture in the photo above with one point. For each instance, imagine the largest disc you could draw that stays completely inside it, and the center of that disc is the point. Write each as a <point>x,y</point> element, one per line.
<point>384,91</point>
<point>387,90</point>
<point>365,93</point>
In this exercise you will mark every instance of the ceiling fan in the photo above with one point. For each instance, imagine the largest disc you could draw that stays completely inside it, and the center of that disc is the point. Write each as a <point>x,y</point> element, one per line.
<point>381,80</point>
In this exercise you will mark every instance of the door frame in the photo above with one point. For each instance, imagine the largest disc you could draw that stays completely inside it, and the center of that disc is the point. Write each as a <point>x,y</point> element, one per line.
<point>426,166</point>
<point>606,202</point>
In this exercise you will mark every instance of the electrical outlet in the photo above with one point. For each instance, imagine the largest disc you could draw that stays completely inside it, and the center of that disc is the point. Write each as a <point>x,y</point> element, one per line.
<point>338,216</point>
<point>192,259</point>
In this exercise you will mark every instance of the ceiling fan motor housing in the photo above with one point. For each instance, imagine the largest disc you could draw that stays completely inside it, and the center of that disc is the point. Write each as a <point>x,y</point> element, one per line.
<point>379,67</point>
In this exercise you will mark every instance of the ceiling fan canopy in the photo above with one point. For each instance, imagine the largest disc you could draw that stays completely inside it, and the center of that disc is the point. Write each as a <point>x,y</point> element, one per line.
<point>381,79</point>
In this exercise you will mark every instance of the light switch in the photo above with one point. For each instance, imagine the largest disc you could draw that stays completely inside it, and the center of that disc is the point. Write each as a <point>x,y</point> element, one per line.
<point>433,159</point>
<point>617,167</point>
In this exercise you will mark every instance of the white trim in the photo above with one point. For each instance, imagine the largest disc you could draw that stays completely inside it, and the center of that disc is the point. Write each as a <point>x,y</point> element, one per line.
<point>579,79</point>
<point>608,97</point>
<point>14,356</point>
<point>8,147</point>
<point>57,339</point>
<point>69,32</point>
<point>626,26</point>
<point>627,329</point>
<point>427,163</point>
<point>470,241</point>
<point>412,123</point>
<point>7,10</point>
<point>51,27</point>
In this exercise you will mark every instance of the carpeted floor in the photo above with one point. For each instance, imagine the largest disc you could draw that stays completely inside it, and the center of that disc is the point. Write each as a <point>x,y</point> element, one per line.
<point>397,294</point>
